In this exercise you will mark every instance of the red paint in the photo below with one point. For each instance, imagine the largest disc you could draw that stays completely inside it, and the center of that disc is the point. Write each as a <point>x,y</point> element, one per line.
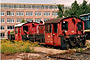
<point>54,39</point>
<point>8,32</point>
<point>41,29</point>
<point>32,29</point>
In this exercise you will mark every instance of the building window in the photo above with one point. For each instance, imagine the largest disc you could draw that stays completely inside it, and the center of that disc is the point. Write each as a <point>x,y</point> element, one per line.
<point>10,20</point>
<point>38,6</point>
<point>46,7</point>
<point>46,19</point>
<point>38,13</point>
<point>2,6</point>
<point>33,6</point>
<point>2,13</point>
<point>29,13</point>
<point>21,6</point>
<point>10,13</point>
<point>2,35</point>
<point>28,6</point>
<point>9,6</point>
<point>2,27</point>
<point>2,20</point>
<point>54,13</point>
<point>29,20</point>
<point>38,20</point>
<point>10,27</point>
<point>19,20</point>
<point>20,13</point>
<point>46,13</point>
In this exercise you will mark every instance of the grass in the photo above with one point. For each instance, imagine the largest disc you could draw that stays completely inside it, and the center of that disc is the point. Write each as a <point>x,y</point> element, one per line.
<point>8,47</point>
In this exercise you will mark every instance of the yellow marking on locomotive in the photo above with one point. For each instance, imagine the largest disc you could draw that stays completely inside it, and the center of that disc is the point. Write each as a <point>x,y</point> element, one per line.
<point>86,30</point>
<point>48,36</point>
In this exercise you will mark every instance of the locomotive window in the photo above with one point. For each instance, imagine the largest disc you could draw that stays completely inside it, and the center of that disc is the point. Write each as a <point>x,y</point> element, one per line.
<point>64,25</point>
<point>80,26</point>
<point>48,28</point>
<point>55,27</point>
<point>33,25</point>
<point>25,28</point>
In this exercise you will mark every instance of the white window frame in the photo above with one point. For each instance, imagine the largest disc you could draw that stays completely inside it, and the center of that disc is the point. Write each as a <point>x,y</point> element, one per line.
<point>38,13</point>
<point>31,19</point>
<point>29,13</point>
<point>47,13</point>
<point>2,27</point>
<point>19,19</point>
<point>10,21</point>
<point>1,35</point>
<point>2,13</point>
<point>36,20</point>
<point>2,20</point>
<point>54,13</point>
<point>9,27</point>
<point>11,13</point>
<point>19,13</point>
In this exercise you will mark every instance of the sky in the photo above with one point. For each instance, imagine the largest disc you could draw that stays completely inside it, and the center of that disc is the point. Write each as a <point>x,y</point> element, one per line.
<point>65,2</point>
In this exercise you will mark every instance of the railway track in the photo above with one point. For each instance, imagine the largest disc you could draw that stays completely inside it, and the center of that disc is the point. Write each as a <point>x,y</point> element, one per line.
<point>84,55</point>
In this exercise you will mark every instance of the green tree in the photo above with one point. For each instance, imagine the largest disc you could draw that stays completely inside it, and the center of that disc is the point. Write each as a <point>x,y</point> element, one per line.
<point>77,10</point>
<point>23,21</point>
<point>61,11</point>
<point>74,9</point>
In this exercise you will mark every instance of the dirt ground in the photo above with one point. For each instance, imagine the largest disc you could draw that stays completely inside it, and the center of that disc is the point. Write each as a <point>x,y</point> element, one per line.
<point>40,54</point>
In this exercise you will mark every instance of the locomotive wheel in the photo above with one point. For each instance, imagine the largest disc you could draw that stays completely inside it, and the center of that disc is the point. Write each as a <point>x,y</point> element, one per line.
<point>67,46</point>
<point>80,43</point>
<point>84,41</point>
<point>72,43</point>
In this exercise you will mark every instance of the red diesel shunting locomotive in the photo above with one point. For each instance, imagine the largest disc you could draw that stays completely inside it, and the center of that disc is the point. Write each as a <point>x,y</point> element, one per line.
<point>29,31</point>
<point>24,29</point>
<point>63,32</point>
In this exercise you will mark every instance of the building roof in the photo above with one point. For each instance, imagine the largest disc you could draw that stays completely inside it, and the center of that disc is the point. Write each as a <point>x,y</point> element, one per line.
<point>29,1</point>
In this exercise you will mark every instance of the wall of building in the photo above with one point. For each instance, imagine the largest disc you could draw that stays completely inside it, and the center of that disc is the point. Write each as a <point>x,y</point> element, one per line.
<point>12,14</point>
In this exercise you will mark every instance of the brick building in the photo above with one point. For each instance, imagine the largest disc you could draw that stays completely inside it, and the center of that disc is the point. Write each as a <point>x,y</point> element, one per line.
<point>13,13</point>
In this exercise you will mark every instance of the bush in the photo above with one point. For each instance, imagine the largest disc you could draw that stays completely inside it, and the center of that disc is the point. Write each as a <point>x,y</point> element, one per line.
<point>8,47</point>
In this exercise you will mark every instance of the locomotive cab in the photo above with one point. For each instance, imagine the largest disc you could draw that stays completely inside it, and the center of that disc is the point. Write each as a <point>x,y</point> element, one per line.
<point>25,31</point>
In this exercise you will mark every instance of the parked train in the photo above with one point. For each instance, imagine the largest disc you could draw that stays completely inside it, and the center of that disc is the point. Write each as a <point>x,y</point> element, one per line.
<point>62,32</point>
<point>86,18</point>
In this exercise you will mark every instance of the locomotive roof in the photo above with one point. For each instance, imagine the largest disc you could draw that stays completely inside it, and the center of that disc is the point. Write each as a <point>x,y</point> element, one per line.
<point>19,25</point>
<point>85,14</point>
<point>59,19</point>
<point>54,20</point>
